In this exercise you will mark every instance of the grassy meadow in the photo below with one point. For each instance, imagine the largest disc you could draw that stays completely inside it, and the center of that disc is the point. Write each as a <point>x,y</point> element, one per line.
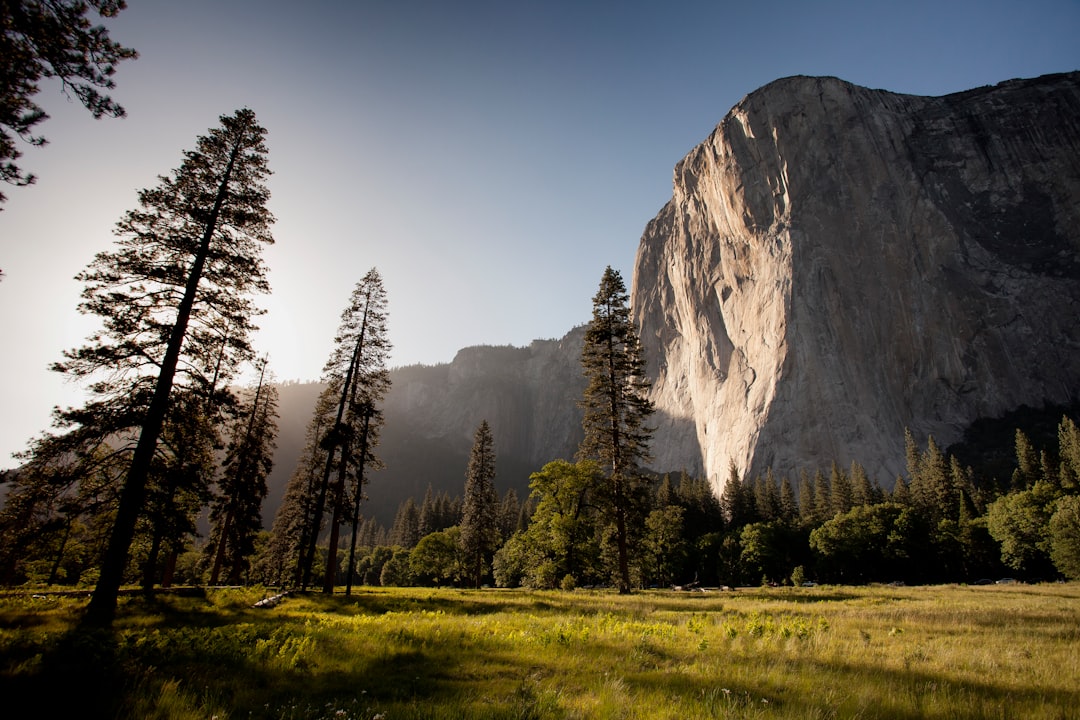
<point>998,651</point>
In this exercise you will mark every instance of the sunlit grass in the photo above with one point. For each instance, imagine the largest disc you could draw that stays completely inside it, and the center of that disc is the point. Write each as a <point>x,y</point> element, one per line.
<point>826,652</point>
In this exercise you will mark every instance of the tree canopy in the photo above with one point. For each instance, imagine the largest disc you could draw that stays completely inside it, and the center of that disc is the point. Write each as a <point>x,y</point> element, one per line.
<point>52,39</point>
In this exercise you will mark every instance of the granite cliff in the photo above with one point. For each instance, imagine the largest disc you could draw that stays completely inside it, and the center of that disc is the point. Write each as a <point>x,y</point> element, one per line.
<point>839,263</point>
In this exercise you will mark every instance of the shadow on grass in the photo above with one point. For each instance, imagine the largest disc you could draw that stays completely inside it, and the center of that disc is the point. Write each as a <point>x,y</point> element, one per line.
<point>79,676</point>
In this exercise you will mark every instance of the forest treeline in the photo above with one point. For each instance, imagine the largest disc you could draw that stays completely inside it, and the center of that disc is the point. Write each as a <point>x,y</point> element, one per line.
<point>938,523</point>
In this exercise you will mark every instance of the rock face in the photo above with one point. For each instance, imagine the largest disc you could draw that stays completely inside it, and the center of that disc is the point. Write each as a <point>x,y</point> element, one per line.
<point>839,263</point>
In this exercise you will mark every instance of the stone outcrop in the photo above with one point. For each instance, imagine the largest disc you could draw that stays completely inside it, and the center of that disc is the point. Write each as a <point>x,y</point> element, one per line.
<point>838,263</point>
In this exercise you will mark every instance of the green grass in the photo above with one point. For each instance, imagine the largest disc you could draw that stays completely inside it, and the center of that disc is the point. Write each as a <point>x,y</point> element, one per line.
<point>827,652</point>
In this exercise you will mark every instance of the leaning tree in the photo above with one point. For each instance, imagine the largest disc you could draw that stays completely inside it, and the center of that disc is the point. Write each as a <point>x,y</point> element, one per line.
<point>616,406</point>
<point>174,299</point>
<point>357,369</point>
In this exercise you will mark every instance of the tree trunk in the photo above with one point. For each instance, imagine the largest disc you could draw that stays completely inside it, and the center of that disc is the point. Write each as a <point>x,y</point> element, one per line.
<point>219,551</point>
<point>150,567</point>
<point>320,504</point>
<point>60,553</point>
<point>102,607</point>
<point>356,502</point>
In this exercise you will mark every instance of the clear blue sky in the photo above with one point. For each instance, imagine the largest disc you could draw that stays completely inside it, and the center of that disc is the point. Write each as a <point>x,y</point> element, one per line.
<point>490,158</point>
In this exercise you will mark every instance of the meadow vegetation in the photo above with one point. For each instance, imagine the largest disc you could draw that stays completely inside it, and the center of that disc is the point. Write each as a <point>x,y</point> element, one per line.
<point>996,651</point>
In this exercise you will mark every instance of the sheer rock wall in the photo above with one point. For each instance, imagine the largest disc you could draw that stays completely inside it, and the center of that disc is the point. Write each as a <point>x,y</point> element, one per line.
<point>838,263</point>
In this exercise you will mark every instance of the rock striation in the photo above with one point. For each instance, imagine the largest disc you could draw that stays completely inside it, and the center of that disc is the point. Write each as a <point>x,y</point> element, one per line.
<point>838,264</point>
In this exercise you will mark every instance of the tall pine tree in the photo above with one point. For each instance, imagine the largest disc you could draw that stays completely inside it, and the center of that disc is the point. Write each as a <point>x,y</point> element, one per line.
<point>480,514</point>
<point>616,406</point>
<point>357,367</point>
<point>185,264</point>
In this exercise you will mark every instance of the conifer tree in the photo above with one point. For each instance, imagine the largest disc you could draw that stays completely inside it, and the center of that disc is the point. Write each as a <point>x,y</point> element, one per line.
<point>427,522</point>
<point>843,494</point>
<point>822,498</point>
<point>616,406</point>
<point>789,505</point>
<point>734,499</point>
<point>862,490</point>
<point>479,515</point>
<point>1069,453</point>
<point>185,263</point>
<point>236,511</point>
<point>509,512</point>
<point>406,529</point>
<point>46,39</point>
<point>357,367</point>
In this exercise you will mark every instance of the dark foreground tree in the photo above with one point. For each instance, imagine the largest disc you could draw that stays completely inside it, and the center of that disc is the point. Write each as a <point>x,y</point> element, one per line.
<point>52,39</point>
<point>173,297</point>
<point>480,514</point>
<point>236,511</point>
<point>615,404</point>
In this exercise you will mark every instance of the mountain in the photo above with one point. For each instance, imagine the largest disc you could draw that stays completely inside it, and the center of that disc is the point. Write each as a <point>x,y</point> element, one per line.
<point>528,396</point>
<point>837,264</point>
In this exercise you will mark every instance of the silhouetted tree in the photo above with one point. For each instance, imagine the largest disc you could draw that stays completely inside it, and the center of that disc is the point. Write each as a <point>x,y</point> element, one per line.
<point>615,405</point>
<point>185,263</point>
<point>406,529</point>
<point>357,366</point>
<point>479,516</point>
<point>52,39</point>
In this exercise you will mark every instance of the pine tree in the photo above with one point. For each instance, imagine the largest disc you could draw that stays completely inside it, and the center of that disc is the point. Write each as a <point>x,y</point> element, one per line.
<point>789,504</point>
<point>357,367</point>
<point>734,500</point>
<point>185,263</point>
<point>406,529</point>
<point>509,512</point>
<point>863,491</point>
<point>1069,452</point>
<point>236,511</point>
<point>428,517</point>
<point>480,517</point>
<point>45,39</point>
<point>843,494</point>
<point>1027,463</point>
<point>615,405</point>
<point>822,498</point>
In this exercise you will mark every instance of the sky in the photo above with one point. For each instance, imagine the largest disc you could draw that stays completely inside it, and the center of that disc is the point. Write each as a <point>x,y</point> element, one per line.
<point>489,158</point>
